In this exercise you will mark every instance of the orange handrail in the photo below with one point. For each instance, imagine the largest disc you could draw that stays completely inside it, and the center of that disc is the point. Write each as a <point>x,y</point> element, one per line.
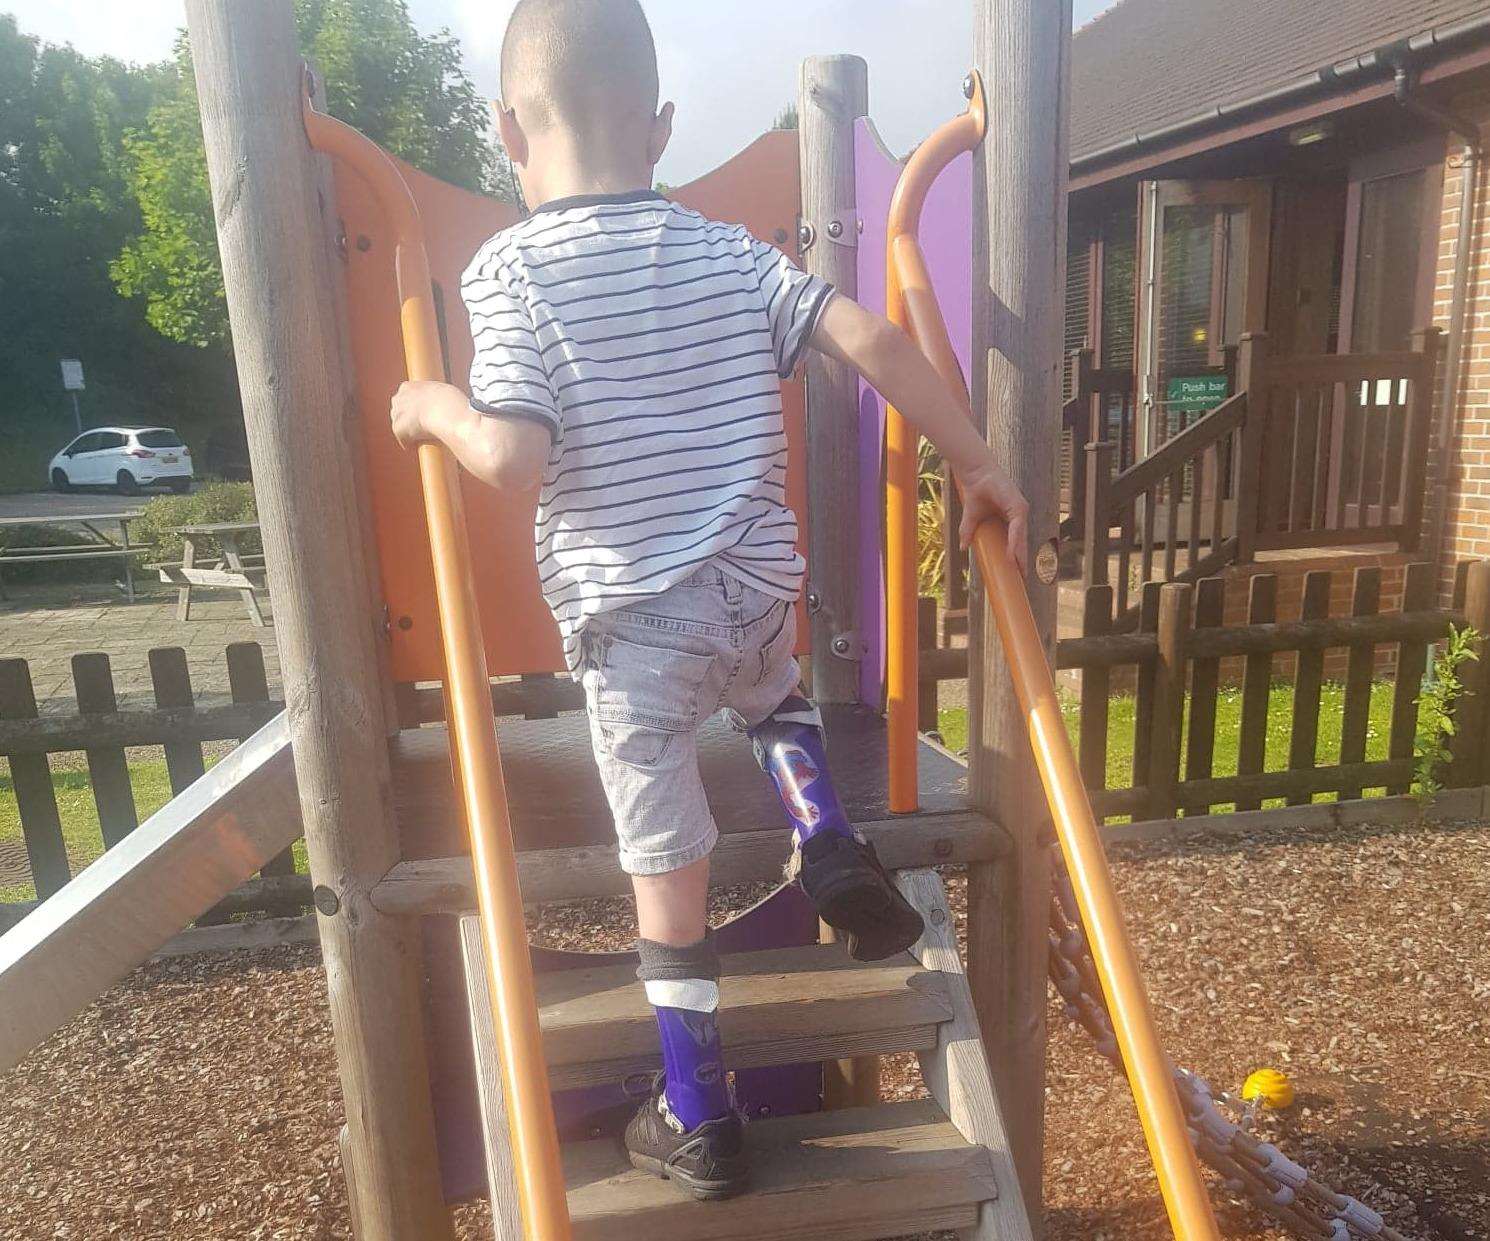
<point>914,304</point>
<point>476,762</point>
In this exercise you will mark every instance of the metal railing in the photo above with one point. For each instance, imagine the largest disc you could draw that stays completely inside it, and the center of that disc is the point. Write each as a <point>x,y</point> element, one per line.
<point>912,302</point>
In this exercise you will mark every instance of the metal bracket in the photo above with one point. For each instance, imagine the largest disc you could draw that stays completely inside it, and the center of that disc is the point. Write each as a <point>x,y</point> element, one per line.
<point>842,228</point>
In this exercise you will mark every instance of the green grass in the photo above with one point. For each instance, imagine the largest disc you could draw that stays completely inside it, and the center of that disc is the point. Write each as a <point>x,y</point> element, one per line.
<point>1120,729</point>
<point>79,816</point>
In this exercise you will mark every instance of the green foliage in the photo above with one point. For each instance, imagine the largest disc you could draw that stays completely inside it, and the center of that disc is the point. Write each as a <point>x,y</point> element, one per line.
<point>787,118</point>
<point>172,262</point>
<point>931,518</point>
<point>65,210</point>
<point>216,502</point>
<point>56,570</point>
<point>1436,707</point>
<point>407,91</point>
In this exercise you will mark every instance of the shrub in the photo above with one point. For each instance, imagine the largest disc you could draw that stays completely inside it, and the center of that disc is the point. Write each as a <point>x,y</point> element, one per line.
<point>217,502</point>
<point>1437,707</point>
<point>54,570</point>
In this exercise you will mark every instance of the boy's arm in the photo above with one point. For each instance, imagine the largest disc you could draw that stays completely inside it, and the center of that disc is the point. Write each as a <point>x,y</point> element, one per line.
<point>890,361</point>
<point>509,453</point>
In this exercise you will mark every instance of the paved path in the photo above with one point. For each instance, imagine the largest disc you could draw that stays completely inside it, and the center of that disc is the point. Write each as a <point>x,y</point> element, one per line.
<point>48,625</point>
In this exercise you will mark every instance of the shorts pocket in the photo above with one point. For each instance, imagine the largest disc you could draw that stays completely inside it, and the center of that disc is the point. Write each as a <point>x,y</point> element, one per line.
<point>642,696</point>
<point>777,649</point>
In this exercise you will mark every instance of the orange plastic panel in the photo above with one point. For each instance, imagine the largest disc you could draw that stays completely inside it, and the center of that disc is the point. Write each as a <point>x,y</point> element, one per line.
<point>759,188</point>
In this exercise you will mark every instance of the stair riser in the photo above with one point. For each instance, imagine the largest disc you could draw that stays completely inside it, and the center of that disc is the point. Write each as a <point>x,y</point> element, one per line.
<point>764,1055</point>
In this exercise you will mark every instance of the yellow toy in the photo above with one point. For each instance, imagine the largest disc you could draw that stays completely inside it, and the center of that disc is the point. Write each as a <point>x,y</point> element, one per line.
<point>1271,1087</point>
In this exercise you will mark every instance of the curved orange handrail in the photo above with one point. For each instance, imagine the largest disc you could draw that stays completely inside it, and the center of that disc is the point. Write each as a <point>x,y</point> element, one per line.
<point>913,304</point>
<point>476,760</point>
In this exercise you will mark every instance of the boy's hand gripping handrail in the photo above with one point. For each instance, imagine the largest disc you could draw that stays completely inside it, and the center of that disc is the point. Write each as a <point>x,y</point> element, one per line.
<point>473,738</point>
<point>913,304</point>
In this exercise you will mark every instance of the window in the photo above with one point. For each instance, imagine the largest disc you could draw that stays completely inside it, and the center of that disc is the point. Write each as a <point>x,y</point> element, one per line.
<point>91,442</point>
<point>1389,262</point>
<point>1391,246</point>
<point>157,439</point>
<point>110,439</point>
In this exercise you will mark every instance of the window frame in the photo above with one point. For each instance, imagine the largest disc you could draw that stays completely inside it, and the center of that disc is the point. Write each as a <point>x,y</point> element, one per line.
<point>1426,155</point>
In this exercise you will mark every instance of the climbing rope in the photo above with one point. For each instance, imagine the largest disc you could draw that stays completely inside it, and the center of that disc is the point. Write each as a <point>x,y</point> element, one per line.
<point>1251,1168</point>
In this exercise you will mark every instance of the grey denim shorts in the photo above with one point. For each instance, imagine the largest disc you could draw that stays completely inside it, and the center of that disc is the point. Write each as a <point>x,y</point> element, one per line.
<point>654,672</point>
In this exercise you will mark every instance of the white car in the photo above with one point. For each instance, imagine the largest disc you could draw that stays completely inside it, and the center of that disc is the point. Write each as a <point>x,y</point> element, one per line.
<point>125,458</point>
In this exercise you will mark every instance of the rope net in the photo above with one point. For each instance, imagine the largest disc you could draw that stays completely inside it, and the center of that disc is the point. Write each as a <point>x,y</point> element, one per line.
<point>1255,1170</point>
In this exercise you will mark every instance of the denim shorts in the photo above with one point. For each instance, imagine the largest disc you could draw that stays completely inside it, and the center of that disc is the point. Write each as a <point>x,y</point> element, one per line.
<point>653,673</point>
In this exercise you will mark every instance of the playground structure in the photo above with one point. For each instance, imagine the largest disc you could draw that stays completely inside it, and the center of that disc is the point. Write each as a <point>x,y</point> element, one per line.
<point>377,590</point>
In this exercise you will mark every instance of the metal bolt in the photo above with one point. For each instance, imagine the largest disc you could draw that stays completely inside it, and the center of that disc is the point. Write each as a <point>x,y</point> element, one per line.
<point>968,86</point>
<point>781,236</point>
<point>938,916</point>
<point>835,229</point>
<point>406,623</point>
<point>806,235</point>
<point>364,243</point>
<point>942,848</point>
<point>326,900</point>
<point>814,601</point>
<point>841,646</point>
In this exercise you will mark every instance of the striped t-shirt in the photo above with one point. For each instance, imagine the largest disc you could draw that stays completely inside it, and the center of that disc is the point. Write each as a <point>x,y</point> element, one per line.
<point>651,342</point>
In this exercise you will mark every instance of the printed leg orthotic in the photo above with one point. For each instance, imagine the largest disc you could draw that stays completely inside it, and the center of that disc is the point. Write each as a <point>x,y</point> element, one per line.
<point>789,748</point>
<point>835,866</point>
<point>682,986</point>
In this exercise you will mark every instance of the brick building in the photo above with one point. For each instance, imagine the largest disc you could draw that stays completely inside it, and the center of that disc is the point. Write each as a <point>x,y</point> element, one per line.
<point>1293,172</point>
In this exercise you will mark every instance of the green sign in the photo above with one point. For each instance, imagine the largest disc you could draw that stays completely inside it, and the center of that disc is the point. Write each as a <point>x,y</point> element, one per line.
<point>1195,394</point>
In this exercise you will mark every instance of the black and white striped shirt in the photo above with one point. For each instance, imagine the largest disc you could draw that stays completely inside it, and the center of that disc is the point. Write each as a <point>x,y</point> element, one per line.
<point>651,342</point>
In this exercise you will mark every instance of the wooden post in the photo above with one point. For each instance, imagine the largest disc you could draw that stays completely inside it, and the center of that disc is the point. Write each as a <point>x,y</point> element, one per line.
<point>1098,520</point>
<point>1019,251</point>
<point>277,273</point>
<point>1250,356</point>
<point>926,699</point>
<point>1169,701</point>
<point>834,93</point>
<point>1472,713</point>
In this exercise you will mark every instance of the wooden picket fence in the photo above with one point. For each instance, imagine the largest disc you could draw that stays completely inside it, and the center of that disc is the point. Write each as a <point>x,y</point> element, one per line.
<point>98,728</point>
<point>1175,656</point>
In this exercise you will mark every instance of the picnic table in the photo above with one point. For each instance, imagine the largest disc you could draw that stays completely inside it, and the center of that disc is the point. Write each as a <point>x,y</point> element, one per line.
<point>229,569</point>
<point>102,547</point>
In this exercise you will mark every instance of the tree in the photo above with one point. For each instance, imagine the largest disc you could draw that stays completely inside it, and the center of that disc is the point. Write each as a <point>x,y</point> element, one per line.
<point>65,210</point>
<point>406,90</point>
<point>787,118</point>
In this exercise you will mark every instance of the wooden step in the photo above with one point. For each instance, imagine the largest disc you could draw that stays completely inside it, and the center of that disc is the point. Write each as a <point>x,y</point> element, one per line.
<point>785,1006</point>
<point>446,885</point>
<point>851,1175</point>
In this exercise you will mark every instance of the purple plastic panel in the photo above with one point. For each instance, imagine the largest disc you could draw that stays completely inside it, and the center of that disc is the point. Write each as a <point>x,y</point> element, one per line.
<point>946,237</point>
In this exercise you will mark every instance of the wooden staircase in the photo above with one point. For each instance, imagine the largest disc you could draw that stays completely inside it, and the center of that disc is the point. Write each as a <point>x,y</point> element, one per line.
<point>891,1170</point>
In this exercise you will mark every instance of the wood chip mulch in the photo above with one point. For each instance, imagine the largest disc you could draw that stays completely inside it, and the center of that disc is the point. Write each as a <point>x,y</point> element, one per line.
<point>198,1099</point>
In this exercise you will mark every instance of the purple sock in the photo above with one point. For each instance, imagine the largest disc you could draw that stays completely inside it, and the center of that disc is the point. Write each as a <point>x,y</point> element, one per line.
<point>789,748</point>
<point>692,1054</point>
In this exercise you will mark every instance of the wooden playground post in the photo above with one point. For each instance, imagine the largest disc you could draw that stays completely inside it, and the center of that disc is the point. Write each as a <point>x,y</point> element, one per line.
<point>277,274</point>
<point>1022,48</point>
<point>834,93</point>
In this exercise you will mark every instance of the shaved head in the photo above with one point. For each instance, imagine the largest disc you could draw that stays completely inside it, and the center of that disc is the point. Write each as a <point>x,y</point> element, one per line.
<point>589,66</point>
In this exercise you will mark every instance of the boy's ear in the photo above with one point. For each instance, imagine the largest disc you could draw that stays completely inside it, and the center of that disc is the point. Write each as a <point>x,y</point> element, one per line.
<point>511,133</point>
<point>662,133</point>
